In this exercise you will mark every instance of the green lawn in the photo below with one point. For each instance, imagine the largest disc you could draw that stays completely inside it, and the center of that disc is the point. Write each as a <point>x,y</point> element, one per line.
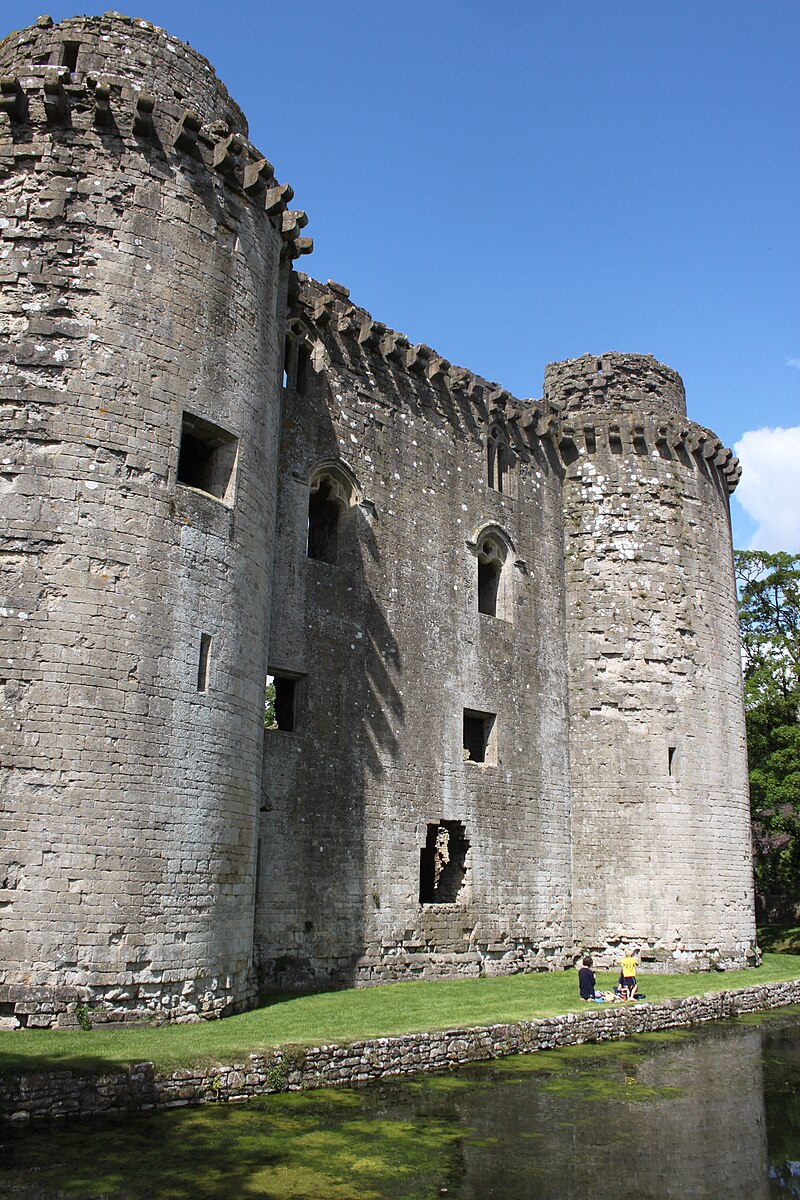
<point>350,1015</point>
<point>782,939</point>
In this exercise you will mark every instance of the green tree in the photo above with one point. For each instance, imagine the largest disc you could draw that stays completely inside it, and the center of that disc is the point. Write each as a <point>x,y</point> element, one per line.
<point>769,611</point>
<point>269,703</point>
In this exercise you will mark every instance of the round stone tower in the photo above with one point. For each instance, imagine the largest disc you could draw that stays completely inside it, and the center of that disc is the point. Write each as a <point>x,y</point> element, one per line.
<point>657,741</point>
<point>145,250</point>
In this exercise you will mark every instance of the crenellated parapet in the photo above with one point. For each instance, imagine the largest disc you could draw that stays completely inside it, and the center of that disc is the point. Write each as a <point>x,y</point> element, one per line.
<point>344,332</point>
<point>629,404</point>
<point>615,382</point>
<point>616,403</point>
<point>71,79</point>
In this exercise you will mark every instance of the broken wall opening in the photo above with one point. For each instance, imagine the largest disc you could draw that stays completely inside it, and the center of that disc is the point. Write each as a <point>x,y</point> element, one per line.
<point>443,863</point>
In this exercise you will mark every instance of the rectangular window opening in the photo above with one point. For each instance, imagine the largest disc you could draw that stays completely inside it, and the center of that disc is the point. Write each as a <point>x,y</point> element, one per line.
<point>671,761</point>
<point>303,365</point>
<point>71,50</point>
<point>207,457</point>
<point>203,662</point>
<point>280,708</point>
<point>480,740</point>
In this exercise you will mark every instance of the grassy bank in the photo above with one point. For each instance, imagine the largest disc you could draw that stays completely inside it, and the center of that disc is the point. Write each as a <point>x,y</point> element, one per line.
<point>348,1016</point>
<point>782,939</point>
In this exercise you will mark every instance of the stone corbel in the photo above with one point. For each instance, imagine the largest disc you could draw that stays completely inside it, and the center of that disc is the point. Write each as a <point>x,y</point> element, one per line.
<point>257,174</point>
<point>12,99</point>
<point>277,198</point>
<point>227,153</point>
<point>189,127</point>
<point>143,115</point>
<point>56,104</point>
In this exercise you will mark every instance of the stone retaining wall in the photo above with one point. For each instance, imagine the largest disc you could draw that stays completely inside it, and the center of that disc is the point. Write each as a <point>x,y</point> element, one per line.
<point>38,1095</point>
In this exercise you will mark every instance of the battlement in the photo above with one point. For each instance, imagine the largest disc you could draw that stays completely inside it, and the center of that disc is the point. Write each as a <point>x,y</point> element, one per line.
<point>127,53</point>
<point>68,77</point>
<point>327,312</point>
<point>625,400</point>
<point>612,380</point>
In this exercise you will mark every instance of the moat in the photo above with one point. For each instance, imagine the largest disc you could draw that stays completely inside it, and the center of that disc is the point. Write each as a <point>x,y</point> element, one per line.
<point>705,1113</point>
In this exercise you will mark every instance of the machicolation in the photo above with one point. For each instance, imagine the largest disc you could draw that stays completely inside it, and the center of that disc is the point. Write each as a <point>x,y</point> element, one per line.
<point>507,720</point>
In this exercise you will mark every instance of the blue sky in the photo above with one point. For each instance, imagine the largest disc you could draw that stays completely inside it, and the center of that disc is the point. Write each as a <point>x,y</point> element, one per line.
<point>514,183</point>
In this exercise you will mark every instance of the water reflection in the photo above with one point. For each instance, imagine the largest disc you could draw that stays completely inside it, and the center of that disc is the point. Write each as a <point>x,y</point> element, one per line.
<point>714,1113</point>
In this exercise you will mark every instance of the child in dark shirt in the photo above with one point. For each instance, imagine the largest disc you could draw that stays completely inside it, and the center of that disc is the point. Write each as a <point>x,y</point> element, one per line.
<point>586,981</point>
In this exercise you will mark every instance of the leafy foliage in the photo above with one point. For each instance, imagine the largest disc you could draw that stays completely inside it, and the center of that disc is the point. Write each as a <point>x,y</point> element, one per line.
<point>269,703</point>
<point>769,613</point>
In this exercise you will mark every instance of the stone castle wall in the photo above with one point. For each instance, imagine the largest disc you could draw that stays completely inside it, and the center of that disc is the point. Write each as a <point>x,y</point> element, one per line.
<point>140,289</point>
<point>392,649</point>
<point>508,670</point>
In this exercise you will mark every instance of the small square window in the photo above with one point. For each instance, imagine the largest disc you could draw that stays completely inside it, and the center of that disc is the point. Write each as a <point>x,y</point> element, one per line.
<point>207,458</point>
<point>480,737</point>
<point>281,710</point>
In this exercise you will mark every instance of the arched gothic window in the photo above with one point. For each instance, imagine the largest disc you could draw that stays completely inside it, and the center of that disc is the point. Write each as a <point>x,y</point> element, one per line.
<point>494,585</point>
<point>330,497</point>
<point>499,460</point>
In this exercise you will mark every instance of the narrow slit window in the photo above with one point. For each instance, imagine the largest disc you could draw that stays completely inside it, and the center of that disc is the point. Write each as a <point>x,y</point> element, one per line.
<point>288,356</point>
<point>499,461</point>
<point>303,366</point>
<point>296,361</point>
<point>500,468</point>
<point>671,764</point>
<point>203,662</point>
<point>207,457</point>
<point>443,863</point>
<point>479,738</point>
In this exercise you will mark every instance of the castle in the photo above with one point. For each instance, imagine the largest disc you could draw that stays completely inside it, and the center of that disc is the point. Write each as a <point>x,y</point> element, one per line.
<point>508,721</point>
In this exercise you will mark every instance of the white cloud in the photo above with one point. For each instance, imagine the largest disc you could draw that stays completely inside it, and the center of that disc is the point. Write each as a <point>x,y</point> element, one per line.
<point>793,362</point>
<point>769,491</point>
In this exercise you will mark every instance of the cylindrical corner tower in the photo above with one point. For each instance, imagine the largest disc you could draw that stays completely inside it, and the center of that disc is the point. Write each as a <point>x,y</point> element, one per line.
<point>141,274</point>
<point>661,856</point>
